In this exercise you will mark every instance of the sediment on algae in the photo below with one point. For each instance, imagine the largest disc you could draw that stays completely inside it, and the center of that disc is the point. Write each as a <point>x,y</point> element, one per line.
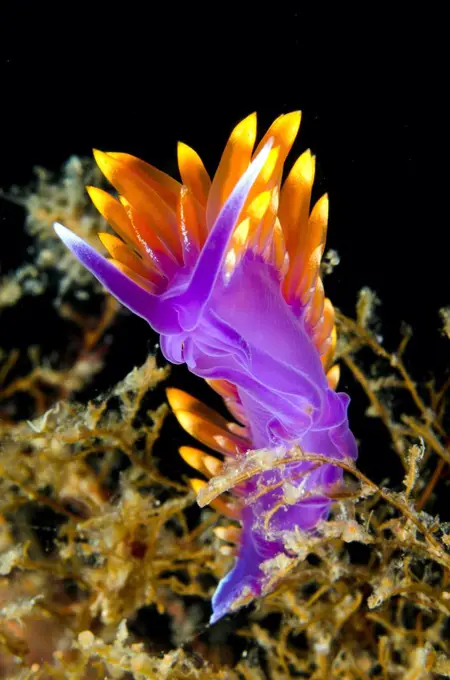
<point>107,564</point>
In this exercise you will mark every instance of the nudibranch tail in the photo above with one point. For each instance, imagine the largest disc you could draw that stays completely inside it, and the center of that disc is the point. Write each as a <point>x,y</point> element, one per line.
<point>227,271</point>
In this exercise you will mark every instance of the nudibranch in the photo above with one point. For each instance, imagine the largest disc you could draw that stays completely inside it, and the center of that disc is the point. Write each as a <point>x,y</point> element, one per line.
<point>228,273</point>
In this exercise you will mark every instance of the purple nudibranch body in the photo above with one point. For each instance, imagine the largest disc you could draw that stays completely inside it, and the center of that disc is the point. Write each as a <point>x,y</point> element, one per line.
<point>232,284</point>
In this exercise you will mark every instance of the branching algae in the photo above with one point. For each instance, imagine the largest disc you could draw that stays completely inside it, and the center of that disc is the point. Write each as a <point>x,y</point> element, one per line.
<point>101,551</point>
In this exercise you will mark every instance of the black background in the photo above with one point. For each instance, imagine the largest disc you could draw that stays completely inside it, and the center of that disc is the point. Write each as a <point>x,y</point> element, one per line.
<point>137,77</point>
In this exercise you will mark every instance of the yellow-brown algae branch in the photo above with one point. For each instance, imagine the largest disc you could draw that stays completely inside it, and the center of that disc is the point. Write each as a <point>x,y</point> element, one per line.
<point>257,461</point>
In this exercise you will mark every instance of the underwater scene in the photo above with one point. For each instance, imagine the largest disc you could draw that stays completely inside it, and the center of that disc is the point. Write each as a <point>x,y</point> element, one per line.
<point>224,386</point>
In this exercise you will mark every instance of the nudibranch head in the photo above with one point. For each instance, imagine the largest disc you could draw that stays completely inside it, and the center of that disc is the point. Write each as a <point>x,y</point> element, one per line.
<point>228,272</point>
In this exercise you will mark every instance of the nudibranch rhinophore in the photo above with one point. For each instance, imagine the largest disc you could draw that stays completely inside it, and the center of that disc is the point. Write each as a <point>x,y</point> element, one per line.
<point>228,273</point>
